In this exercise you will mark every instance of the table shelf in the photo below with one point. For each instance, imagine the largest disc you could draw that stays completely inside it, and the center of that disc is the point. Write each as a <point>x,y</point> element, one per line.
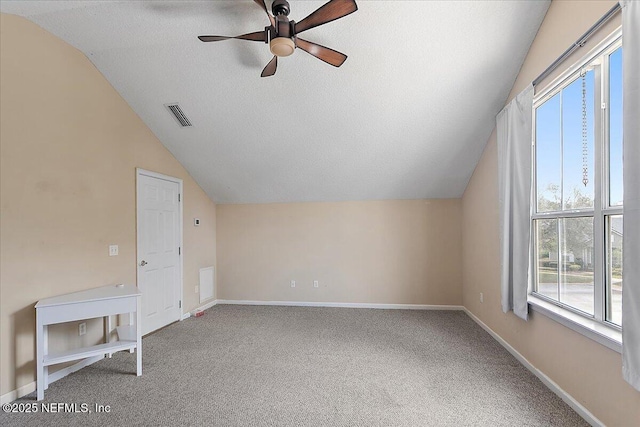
<point>82,353</point>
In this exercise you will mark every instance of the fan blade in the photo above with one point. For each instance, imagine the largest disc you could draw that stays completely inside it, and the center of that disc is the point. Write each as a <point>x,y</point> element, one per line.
<point>264,6</point>
<point>325,54</point>
<point>270,69</point>
<point>258,36</point>
<point>335,9</point>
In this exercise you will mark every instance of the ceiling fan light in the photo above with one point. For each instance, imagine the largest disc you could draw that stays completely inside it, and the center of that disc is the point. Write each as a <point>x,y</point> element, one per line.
<point>282,46</point>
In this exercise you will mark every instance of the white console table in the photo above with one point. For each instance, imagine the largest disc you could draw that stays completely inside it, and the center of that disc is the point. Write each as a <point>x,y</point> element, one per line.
<point>99,302</point>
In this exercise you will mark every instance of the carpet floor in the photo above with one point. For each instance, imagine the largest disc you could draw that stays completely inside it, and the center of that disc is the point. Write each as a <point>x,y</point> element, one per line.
<point>307,366</point>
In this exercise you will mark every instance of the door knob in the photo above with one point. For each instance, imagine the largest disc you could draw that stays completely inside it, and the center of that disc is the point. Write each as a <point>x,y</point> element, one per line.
<point>143,263</point>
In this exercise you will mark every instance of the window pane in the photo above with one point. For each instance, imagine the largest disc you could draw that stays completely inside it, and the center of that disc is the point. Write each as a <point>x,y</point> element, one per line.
<point>614,270</point>
<point>615,128</point>
<point>577,111</point>
<point>548,155</point>
<point>547,262</point>
<point>576,261</point>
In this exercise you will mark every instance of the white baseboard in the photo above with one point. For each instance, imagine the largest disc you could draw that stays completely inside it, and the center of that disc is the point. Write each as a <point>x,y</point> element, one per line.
<point>202,307</point>
<point>342,305</point>
<point>208,305</point>
<point>566,397</point>
<point>18,393</point>
<point>31,387</point>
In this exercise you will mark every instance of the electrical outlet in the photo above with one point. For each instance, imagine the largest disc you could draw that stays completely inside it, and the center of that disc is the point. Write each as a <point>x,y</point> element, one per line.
<point>197,289</point>
<point>315,283</point>
<point>293,283</point>
<point>82,328</point>
<point>113,250</point>
<point>481,297</point>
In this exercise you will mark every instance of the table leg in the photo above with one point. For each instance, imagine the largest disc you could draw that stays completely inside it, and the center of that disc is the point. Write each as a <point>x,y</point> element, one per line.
<point>107,332</point>
<point>39,358</point>
<point>139,336</point>
<point>45,351</point>
<point>131,320</point>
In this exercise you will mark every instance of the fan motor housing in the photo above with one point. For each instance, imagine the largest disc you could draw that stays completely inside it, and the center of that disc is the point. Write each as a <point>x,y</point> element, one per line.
<point>284,27</point>
<point>280,7</point>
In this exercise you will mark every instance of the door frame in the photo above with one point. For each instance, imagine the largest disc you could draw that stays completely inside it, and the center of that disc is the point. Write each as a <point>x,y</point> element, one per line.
<point>143,172</point>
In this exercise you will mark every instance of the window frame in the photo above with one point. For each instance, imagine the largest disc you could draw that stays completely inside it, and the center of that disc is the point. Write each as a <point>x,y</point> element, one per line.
<point>596,326</point>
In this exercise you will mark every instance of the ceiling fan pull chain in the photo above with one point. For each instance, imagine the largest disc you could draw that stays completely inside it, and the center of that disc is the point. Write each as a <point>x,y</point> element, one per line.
<point>585,146</point>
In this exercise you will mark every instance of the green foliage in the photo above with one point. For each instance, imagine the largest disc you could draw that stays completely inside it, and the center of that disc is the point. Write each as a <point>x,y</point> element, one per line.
<point>573,199</point>
<point>577,233</point>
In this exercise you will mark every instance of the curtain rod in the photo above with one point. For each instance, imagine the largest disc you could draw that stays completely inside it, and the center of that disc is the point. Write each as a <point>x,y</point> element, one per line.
<point>581,42</point>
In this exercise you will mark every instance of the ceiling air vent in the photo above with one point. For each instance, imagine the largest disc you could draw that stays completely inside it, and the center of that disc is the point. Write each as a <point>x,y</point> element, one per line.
<point>179,115</point>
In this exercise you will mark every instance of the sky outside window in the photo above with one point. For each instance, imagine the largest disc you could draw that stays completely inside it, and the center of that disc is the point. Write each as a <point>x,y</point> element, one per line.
<point>615,128</point>
<point>548,154</point>
<point>559,148</point>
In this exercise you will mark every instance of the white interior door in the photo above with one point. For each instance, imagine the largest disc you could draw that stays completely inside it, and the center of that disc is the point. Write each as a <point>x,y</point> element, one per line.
<point>159,266</point>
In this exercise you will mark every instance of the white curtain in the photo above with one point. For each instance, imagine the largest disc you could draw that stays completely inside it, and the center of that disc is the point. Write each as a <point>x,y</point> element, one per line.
<point>631,166</point>
<point>514,181</point>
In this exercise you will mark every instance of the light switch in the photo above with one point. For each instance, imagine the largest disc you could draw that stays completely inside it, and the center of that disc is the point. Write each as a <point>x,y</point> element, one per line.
<point>113,250</point>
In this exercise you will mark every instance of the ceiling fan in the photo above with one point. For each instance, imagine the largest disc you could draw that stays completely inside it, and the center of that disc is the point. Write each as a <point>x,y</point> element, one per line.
<point>282,34</point>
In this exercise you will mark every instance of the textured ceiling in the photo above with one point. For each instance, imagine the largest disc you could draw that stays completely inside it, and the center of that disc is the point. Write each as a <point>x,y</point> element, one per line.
<point>407,115</point>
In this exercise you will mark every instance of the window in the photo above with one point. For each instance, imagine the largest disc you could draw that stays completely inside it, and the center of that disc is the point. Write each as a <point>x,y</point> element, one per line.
<point>577,213</point>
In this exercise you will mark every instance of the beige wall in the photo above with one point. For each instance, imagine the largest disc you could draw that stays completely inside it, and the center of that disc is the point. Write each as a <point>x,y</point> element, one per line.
<point>367,252</point>
<point>588,371</point>
<point>69,148</point>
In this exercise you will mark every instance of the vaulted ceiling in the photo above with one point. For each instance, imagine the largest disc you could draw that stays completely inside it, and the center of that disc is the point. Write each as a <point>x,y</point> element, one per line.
<point>406,116</point>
